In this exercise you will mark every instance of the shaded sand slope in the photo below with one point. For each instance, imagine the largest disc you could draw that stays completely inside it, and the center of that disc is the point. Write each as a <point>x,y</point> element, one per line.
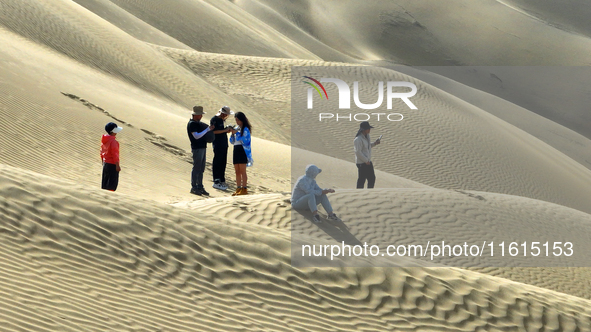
<point>446,143</point>
<point>572,15</point>
<point>214,26</point>
<point>48,132</point>
<point>129,23</point>
<point>565,140</point>
<point>561,94</point>
<point>86,260</point>
<point>435,33</point>
<point>290,29</point>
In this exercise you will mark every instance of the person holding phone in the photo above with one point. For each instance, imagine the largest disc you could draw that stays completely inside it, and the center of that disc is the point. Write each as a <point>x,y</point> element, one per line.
<point>242,156</point>
<point>363,145</point>
<point>220,147</point>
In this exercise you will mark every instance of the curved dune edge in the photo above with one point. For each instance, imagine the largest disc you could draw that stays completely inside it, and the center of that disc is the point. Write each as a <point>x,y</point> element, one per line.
<point>84,259</point>
<point>432,32</point>
<point>75,258</point>
<point>71,30</point>
<point>384,214</point>
<point>447,143</point>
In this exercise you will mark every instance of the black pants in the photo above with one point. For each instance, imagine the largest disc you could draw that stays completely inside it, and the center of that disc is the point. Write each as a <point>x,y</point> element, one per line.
<point>366,172</point>
<point>110,177</point>
<point>218,166</point>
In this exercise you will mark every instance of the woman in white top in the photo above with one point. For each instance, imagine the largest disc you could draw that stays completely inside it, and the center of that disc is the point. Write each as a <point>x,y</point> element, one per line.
<point>363,147</point>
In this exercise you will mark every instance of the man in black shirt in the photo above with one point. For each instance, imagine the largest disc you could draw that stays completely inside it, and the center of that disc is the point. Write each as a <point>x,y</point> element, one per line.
<point>197,131</point>
<point>220,148</point>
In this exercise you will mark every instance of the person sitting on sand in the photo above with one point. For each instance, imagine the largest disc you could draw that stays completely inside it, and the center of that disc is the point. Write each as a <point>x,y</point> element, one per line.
<point>307,194</point>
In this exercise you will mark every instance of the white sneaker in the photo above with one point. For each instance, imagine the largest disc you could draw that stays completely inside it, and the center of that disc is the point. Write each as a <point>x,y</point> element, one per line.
<point>224,186</point>
<point>219,186</point>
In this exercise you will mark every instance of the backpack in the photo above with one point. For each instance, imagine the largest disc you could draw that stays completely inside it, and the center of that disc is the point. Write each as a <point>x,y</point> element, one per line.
<point>210,136</point>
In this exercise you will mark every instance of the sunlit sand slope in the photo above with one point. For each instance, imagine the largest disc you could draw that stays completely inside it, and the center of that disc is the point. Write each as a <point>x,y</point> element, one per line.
<point>79,259</point>
<point>214,26</point>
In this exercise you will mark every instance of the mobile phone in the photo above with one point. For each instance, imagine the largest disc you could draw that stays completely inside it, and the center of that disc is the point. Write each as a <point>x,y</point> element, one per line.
<point>380,138</point>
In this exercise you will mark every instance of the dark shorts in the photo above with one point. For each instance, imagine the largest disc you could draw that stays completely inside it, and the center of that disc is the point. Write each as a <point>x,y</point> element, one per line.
<point>239,155</point>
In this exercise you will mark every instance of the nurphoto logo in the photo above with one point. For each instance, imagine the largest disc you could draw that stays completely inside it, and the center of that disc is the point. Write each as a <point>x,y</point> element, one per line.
<point>344,92</point>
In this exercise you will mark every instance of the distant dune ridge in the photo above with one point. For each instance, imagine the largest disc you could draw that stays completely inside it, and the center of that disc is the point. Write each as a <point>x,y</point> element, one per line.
<point>152,257</point>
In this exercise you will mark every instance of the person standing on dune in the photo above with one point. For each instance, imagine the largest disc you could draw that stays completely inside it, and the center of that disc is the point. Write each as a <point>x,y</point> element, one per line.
<point>197,132</point>
<point>363,145</point>
<point>110,157</point>
<point>242,155</point>
<point>220,148</point>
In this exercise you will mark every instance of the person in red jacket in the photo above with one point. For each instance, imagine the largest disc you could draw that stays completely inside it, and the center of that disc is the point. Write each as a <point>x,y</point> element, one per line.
<point>110,157</point>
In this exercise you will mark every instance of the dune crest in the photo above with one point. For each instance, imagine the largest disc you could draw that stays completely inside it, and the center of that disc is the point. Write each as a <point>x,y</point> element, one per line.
<point>133,266</point>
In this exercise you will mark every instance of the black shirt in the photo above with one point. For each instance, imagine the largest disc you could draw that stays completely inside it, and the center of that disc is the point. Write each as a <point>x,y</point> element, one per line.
<point>197,126</point>
<point>221,140</point>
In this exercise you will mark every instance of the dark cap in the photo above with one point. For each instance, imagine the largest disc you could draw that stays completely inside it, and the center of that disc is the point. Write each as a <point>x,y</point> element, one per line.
<point>364,125</point>
<point>112,127</point>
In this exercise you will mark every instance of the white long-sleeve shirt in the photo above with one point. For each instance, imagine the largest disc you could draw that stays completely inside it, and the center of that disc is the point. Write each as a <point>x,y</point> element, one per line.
<point>200,134</point>
<point>362,146</point>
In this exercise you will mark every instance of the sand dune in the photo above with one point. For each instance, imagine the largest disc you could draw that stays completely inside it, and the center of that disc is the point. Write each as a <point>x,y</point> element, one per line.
<point>565,140</point>
<point>214,26</point>
<point>291,29</point>
<point>129,23</point>
<point>113,51</point>
<point>457,32</point>
<point>571,15</point>
<point>446,143</point>
<point>130,266</point>
<point>560,94</point>
<point>466,164</point>
<point>414,216</point>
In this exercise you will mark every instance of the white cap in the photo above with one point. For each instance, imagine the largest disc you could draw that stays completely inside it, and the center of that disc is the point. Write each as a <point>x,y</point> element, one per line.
<point>116,130</point>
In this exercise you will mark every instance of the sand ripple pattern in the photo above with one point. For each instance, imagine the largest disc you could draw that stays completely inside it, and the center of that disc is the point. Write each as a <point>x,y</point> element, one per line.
<point>446,143</point>
<point>80,260</point>
<point>414,216</point>
<point>74,31</point>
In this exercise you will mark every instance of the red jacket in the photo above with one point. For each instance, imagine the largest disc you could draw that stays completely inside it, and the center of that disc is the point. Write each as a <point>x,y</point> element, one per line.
<point>109,149</point>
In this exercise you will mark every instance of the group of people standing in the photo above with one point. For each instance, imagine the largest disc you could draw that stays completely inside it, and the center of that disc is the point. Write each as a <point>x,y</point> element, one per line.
<point>306,192</point>
<point>200,134</point>
<point>217,133</point>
